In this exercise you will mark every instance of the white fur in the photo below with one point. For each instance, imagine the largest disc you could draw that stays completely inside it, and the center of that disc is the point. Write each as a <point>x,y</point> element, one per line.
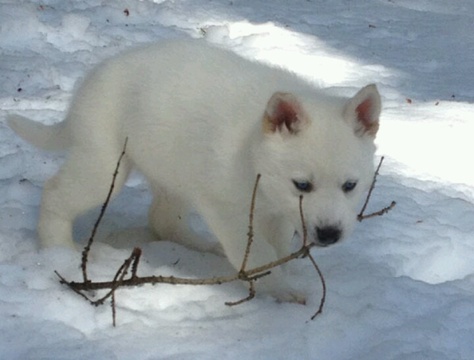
<point>201,124</point>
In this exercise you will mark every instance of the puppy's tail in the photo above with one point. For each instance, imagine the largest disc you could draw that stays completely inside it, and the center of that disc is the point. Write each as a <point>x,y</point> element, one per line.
<point>47,137</point>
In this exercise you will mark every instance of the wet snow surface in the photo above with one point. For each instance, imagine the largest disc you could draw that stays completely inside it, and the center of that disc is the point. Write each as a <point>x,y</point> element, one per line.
<point>401,288</point>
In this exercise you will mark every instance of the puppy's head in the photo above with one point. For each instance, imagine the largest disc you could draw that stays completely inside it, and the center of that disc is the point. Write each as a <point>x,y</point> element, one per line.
<point>321,148</point>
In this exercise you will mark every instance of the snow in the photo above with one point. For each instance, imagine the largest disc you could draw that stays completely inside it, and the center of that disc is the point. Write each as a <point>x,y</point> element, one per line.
<point>401,288</point>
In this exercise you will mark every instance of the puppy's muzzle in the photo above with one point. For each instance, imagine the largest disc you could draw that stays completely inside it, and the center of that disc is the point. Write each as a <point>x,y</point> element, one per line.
<point>328,235</point>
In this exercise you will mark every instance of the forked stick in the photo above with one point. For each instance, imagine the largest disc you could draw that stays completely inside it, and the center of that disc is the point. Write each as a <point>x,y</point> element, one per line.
<point>247,275</point>
<point>381,212</point>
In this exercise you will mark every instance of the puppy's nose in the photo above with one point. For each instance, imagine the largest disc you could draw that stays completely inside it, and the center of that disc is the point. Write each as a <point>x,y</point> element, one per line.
<point>328,235</point>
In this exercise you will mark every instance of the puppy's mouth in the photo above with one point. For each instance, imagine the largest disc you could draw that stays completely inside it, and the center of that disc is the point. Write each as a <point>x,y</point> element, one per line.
<point>319,245</point>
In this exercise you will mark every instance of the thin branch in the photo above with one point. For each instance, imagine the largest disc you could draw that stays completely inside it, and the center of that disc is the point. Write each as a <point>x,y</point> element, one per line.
<point>372,186</point>
<point>85,252</point>
<point>323,282</point>
<point>123,271</point>
<point>62,280</point>
<point>118,278</point>
<point>250,275</point>
<point>378,213</point>
<point>250,232</point>
<point>251,295</point>
<point>308,254</point>
<point>361,216</point>
<point>114,310</point>
<point>137,253</point>
<point>303,223</point>
<point>247,275</point>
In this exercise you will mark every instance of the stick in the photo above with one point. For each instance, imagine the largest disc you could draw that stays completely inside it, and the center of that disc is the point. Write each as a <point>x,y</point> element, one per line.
<point>85,252</point>
<point>118,278</point>
<point>378,213</point>
<point>250,233</point>
<point>114,310</point>
<point>248,275</point>
<point>303,223</point>
<point>252,294</point>
<point>323,282</point>
<point>251,274</point>
<point>385,210</point>
<point>372,186</point>
<point>308,254</point>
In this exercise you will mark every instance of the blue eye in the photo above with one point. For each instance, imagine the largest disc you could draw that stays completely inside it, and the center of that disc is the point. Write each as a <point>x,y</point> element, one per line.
<point>303,186</point>
<point>348,186</point>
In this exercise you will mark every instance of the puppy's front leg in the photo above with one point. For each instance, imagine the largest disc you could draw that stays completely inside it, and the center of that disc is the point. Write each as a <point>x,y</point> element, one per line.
<point>232,232</point>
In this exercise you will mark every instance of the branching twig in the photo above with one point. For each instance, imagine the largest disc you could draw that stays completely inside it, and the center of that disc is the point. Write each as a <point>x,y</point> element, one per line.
<point>385,210</point>
<point>251,295</point>
<point>250,275</point>
<point>378,213</point>
<point>247,275</point>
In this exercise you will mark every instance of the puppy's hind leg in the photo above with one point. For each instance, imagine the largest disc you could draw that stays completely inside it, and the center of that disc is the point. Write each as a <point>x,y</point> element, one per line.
<point>81,184</point>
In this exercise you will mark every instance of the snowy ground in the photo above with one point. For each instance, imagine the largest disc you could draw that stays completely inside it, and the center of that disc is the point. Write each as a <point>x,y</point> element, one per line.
<point>401,288</point>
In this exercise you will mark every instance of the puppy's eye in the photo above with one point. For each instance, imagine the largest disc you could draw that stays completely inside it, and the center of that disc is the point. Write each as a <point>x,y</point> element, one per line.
<point>348,186</point>
<point>303,186</point>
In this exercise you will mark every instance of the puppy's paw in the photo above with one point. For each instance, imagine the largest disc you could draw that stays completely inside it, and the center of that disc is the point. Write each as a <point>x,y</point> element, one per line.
<point>290,296</point>
<point>281,290</point>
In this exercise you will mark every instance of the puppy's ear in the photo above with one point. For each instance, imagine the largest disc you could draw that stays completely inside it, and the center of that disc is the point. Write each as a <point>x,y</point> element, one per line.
<point>284,114</point>
<point>363,111</point>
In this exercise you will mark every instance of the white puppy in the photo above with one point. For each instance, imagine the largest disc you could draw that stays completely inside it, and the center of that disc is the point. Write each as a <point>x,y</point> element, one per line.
<point>201,123</point>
